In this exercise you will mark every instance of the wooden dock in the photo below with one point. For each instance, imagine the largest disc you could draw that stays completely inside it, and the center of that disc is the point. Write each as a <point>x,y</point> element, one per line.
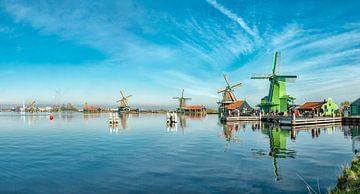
<point>351,120</point>
<point>239,118</point>
<point>295,121</point>
<point>309,127</point>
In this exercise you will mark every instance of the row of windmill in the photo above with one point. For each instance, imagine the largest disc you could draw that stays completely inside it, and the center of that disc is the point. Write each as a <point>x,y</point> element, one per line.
<point>277,99</point>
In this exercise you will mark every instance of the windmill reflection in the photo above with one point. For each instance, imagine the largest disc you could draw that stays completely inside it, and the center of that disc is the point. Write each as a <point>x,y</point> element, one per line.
<point>114,126</point>
<point>229,129</point>
<point>228,134</point>
<point>278,139</point>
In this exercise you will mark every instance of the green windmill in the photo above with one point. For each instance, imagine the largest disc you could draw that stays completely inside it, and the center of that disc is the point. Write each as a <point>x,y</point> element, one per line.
<point>277,100</point>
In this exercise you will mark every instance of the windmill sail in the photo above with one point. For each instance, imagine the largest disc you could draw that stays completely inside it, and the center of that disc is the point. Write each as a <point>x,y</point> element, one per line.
<point>228,91</point>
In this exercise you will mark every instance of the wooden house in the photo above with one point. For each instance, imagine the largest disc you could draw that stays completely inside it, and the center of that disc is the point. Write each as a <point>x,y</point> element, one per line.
<point>238,108</point>
<point>355,108</point>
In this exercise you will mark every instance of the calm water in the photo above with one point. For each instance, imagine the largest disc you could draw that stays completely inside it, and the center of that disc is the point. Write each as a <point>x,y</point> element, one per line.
<point>78,153</point>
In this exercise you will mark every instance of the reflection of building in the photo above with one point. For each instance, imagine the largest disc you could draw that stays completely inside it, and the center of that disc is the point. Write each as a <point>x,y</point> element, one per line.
<point>124,120</point>
<point>171,127</point>
<point>183,117</point>
<point>354,133</point>
<point>228,133</point>
<point>277,140</point>
<point>114,128</point>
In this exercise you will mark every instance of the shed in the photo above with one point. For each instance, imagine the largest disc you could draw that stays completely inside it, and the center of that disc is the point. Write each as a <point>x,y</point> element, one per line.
<point>195,109</point>
<point>241,106</point>
<point>355,107</point>
<point>314,107</point>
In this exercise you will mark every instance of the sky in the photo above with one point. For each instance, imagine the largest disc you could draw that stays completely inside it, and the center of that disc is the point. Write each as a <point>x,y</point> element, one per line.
<point>87,51</point>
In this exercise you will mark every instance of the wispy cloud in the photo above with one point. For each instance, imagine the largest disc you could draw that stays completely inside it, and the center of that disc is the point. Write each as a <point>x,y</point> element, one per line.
<point>234,17</point>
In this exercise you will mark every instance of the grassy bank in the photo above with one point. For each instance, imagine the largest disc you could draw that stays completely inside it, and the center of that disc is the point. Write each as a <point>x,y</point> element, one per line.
<point>349,182</point>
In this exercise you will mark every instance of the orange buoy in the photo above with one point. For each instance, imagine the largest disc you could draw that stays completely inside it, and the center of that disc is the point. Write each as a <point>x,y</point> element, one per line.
<point>51,117</point>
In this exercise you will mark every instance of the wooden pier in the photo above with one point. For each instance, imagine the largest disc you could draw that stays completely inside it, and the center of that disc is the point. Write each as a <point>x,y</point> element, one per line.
<point>351,120</point>
<point>294,121</point>
<point>239,118</point>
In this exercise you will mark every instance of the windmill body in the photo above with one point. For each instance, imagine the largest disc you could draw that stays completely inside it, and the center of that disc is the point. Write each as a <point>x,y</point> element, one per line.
<point>228,96</point>
<point>182,102</point>
<point>277,99</point>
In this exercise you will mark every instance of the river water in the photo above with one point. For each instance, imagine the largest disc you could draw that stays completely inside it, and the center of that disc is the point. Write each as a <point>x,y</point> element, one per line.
<point>76,153</point>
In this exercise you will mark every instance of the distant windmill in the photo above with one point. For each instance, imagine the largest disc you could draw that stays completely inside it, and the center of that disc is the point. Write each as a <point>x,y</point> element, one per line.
<point>277,99</point>
<point>124,100</point>
<point>182,100</point>
<point>31,107</point>
<point>228,92</point>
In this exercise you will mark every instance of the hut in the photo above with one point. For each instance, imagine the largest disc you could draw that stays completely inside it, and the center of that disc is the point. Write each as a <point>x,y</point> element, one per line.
<point>240,107</point>
<point>326,107</point>
<point>355,108</point>
<point>309,108</point>
<point>195,109</point>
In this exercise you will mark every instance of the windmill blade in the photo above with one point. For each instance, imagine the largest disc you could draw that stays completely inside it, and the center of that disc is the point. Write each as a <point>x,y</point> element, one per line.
<point>182,94</point>
<point>129,96</point>
<point>176,98</point>
<point>236,86</point>
<point>187,98</point>
<point>227,82</point>
<point>288,78</point>
<point>122,94</point>
<point>274,63</point>
<point>278,62</point>
<point>221,90</point>
<point>260,76</point>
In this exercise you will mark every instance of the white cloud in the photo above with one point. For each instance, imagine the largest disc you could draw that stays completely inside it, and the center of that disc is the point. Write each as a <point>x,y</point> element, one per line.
<point>234,17</point>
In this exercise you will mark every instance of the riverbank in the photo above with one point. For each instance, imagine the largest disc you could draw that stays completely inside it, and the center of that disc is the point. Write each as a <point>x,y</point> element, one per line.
<point>349,182</point>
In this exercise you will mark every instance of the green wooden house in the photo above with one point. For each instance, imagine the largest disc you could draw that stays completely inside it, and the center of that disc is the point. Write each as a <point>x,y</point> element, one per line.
<point>355,107</point>
<point>329,107</point>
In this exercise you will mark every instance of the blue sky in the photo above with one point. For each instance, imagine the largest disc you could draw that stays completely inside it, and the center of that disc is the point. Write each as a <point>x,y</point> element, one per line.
<point>86,51</point>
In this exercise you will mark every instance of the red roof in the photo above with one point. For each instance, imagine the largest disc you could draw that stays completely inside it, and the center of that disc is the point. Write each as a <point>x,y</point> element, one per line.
<point>311,105</point>
<point>195,107</point>
<point>91,108</point>
<point>235,105</point>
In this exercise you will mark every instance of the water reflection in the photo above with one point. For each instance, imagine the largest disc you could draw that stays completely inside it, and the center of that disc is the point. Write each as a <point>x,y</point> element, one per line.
<point>123,121</point>
<point>171,127</point>
<point>183,119</point>
<point>228,134</point>
<point>353,131</point>
<point>88,116</point>
<point>277,140</point>
<point>230,128</point>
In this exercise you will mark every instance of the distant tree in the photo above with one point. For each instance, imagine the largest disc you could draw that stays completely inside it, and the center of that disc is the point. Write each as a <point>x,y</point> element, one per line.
<point>345,104</point>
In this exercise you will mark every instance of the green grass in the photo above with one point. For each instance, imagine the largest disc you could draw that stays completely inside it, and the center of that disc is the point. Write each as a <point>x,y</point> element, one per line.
<point>349,182</point>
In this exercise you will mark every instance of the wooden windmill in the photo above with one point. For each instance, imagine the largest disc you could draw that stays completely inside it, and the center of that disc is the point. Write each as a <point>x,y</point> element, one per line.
<point>228,95</point>
<point>31,107</point>
<point>228,92</point>
<point>182,101</point>
<point>123,102</point>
